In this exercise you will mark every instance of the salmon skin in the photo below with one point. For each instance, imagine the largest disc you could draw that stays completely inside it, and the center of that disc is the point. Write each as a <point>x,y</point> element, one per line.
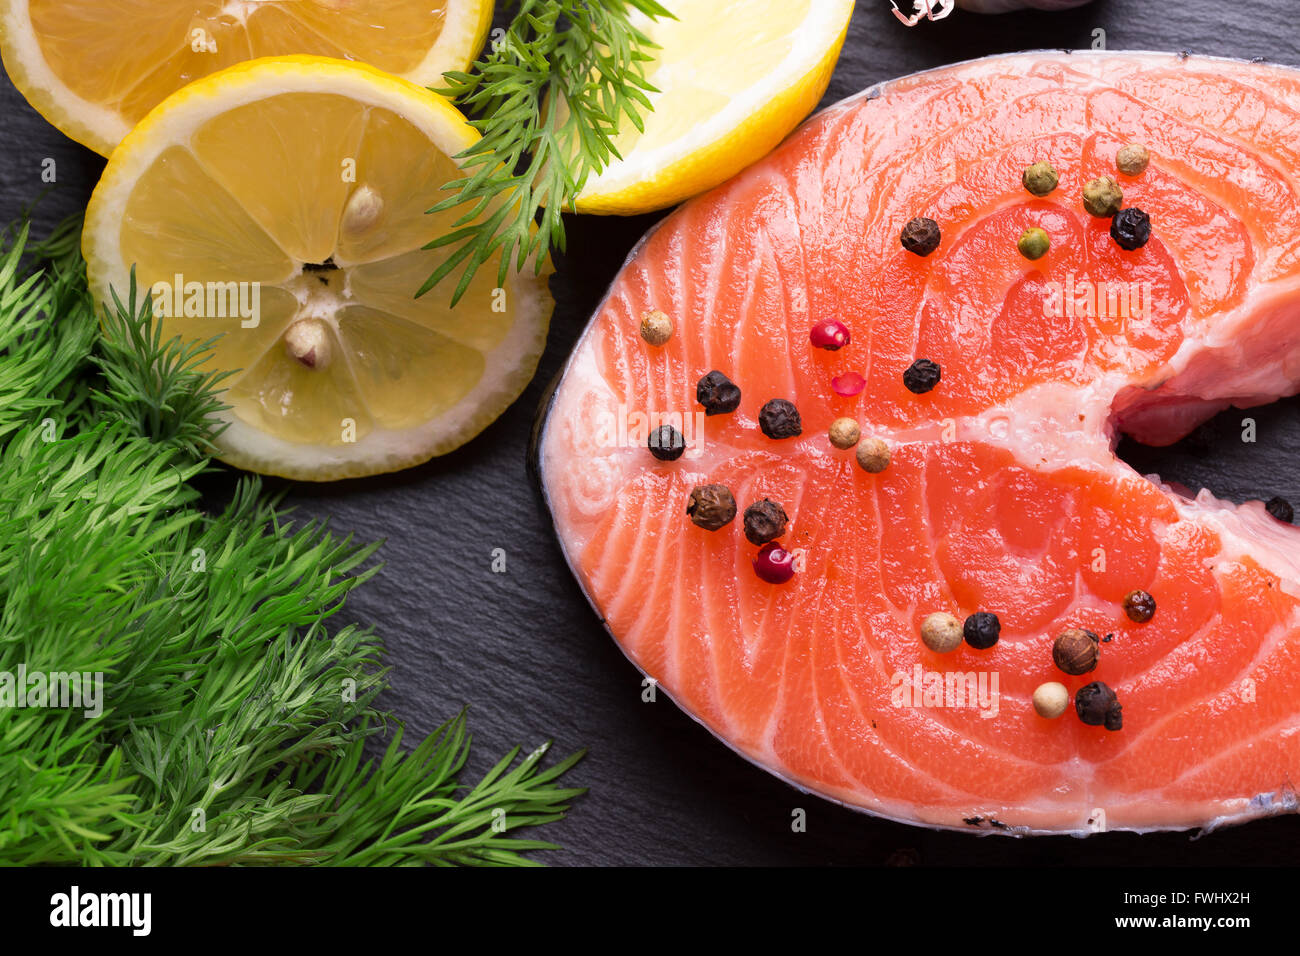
<point>1003,493</point>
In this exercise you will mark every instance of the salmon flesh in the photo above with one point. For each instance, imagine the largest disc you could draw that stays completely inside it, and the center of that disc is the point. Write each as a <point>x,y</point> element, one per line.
<point>1003,493</point>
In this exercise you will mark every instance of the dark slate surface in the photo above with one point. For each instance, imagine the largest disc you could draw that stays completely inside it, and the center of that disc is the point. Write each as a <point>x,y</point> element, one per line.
<point>527,653</point>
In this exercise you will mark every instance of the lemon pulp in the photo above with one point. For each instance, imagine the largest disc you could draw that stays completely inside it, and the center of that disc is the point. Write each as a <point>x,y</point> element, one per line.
<point>307,207</point>
<point>95,68</point>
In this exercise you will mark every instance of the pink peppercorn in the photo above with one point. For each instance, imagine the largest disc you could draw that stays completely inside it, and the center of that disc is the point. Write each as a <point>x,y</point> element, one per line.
<point>830,334</point>
<point>774,564</point>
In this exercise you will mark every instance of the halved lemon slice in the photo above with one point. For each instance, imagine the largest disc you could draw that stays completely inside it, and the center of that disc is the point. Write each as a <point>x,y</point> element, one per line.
<point>734,78</point>
<point>281,204</point>
<point>94,68</point>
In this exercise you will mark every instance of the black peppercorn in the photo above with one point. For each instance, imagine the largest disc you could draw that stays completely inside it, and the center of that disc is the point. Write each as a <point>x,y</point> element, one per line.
<point>1280,509</point>
<point>1139,606</point>
<point>1131,228</point>
<point>718,394</point>
<point>1076,651</point>
<point>711,506</point>
<point>1097,706</point>
<point>981,630</point>
<point>780,419</point>
<point>666,443</point>
<point>764,521</point>
<point>920,236</point>
<point>921,376</point>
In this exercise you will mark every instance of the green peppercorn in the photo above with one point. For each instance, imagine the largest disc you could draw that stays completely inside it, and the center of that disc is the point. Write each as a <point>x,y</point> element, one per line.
<point>1040,178</point>
<point>1102,197</point>
<point>1034,243</point>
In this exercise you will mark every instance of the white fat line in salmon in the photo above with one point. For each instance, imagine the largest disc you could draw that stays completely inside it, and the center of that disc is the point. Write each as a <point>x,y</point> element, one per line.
<point>955,689</point>
<point>627,428</point>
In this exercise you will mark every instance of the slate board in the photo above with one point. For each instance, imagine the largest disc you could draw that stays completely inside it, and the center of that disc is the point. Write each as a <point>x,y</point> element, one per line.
<point>526,651</point>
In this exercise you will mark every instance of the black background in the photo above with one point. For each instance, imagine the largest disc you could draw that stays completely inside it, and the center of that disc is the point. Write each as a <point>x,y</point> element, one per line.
<point>524,649</point>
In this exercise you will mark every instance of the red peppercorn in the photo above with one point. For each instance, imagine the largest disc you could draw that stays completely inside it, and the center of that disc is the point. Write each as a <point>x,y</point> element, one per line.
<point>830,334</point>
<point>774,564</point>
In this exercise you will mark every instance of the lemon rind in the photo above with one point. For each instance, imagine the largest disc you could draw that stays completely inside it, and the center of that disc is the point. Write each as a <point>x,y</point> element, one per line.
<point>101,129</point>
<point>748,128</point>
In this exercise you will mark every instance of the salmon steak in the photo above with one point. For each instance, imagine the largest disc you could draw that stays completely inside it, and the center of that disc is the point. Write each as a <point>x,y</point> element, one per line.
<point>989,390</point>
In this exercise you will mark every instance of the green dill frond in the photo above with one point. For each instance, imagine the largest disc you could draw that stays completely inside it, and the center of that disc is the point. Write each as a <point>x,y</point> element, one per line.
<point>234,716</point>
<point>47,328</point>
<point>434,822</point>
<point>156,386</point>
<point>548,99</point>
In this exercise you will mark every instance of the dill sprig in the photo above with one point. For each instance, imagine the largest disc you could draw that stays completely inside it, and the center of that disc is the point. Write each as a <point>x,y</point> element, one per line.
<point>156,386</point>
<point>548,98</point>
<point>236,719</point>
<point>38,285</point>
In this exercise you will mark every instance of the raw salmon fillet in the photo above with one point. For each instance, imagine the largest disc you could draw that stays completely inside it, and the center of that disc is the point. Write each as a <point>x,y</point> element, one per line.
<point>1004,493</point>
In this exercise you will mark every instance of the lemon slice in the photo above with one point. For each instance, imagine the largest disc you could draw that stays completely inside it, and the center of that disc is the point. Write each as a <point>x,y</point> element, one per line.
<point>734,78</point>
<point>281,205</point>
<point>94,68</point>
